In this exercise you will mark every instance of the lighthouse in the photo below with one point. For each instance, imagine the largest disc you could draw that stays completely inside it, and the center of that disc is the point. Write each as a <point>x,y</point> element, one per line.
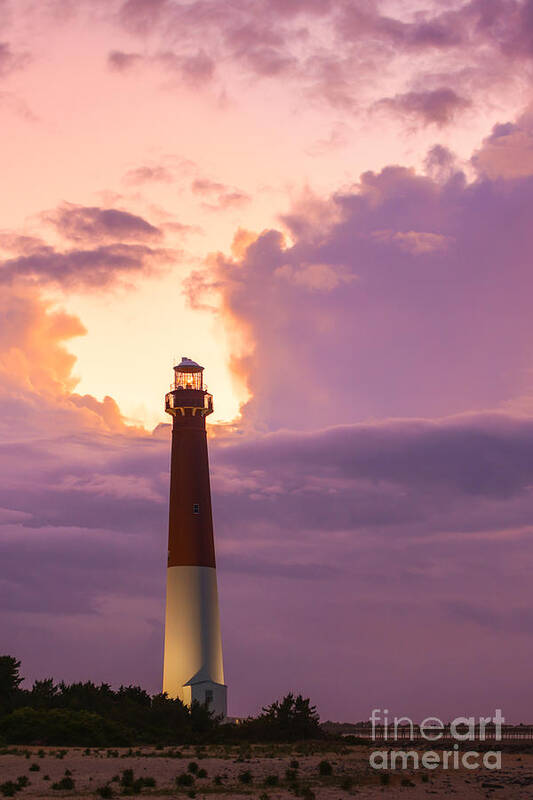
<point>193,668</point>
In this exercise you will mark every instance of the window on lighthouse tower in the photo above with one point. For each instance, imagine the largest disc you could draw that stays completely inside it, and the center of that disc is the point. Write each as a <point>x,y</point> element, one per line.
<point>196,508</point>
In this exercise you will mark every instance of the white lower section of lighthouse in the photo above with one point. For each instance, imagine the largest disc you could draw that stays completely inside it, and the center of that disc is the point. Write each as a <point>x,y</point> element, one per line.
<point>193,668</point>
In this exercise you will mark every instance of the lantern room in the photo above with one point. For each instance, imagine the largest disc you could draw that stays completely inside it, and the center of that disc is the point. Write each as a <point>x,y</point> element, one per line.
<point>188,395</point>
<point>188,375</point>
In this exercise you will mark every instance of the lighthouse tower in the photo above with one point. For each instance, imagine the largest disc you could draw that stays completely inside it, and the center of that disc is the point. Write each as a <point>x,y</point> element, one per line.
<point>193,667</point>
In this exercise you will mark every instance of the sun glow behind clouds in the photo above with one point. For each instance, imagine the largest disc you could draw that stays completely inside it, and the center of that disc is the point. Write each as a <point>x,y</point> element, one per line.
<point>130,354</point>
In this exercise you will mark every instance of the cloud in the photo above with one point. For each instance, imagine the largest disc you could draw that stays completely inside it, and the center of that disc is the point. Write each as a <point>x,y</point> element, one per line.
<point>90,223</point>
<point>315,277</point>
<point>149,174</point>
<point>195,69</point>
<point>9,60</point>
<point>434,106</point>
<point>122,62</point>
<point>92,269</point>
<point>415,242</point>
<point>428,265</point>
<point>221,197</point>
<point>340,53</point>
<point>508,151</point>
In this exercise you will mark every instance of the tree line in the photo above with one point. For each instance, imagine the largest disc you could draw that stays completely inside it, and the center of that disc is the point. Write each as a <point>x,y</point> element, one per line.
<point>91,715</point>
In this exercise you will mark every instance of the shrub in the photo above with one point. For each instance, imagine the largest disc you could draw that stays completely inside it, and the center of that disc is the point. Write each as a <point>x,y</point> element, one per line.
<point>246,777</point>
<point>60,726</point>
<point>64,783</point>
<point>308,794</point>
<point>105,791</point>
<point>291,775</point>
<point>406,782</point>
<point>325,768</point>
<point>185,779</point>
<point>217,780</point>
<point>9,788</point>
<point>347,783</point>
<point>35,768</point>
<point>292,718</point>
<point>202,773</point>
<point>193,767</point>
<point>271,780</point>
<point>294,764</point>
<point>23,781</point>
<point>127,778</point>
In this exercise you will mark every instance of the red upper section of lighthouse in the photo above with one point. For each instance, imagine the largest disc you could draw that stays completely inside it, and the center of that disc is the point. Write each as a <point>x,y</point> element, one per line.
<point>190,534</point>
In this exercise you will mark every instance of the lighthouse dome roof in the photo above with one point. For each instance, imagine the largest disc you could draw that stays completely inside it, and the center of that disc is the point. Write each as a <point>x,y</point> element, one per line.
<point>188,365</point>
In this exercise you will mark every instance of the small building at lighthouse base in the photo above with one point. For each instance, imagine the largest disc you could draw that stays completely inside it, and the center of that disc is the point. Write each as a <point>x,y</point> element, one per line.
<point>214,695</point>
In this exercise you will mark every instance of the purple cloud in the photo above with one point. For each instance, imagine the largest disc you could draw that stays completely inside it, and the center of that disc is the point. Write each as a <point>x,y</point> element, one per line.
<point>122,62</point>
<point>437,106</point>
<point>90,223</point>
<point>89,269</point>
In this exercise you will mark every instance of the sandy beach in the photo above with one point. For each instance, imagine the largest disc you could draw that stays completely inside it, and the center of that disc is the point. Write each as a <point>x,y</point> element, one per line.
<point>266,772</point>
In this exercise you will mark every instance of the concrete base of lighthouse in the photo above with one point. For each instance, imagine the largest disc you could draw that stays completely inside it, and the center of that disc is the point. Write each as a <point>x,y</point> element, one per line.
<point>193,668</point>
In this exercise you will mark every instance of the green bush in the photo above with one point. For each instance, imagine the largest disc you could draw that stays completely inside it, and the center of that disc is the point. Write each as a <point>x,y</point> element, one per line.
<point>271,780</point>
<point>246,777</point>
<point>193,767</point>
<point>35,768</point>
<point>325,768</point>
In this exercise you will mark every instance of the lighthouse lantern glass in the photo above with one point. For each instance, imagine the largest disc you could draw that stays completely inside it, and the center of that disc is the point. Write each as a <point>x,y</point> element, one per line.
<point>188,379</point>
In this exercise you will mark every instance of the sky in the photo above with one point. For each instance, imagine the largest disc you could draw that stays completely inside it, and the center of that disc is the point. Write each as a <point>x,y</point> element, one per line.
<point>327,203</point>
